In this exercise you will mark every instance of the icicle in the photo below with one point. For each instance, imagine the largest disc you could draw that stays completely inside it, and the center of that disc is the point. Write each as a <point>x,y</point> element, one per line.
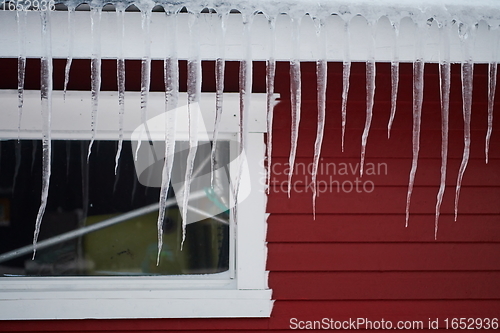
<point>394,80</point>
<point>46,97</point>
<point>117,179</point>
<point>145,75</point>
<point>346,74</point>
<point>467,78</point>
<point>219,87</point>
<point>21,64</point>
<point>295,93</point>
<point>445,81</point>
<point>245,82</point>
<point>270,74</point>
<point>95,69</point>
<point>370,97</point>
<point>194,92</point>
<point>492,86</point>
<point>171,78</point>
<point>18,163</point>
<point>322,79</point>
<point>418,96</point>
<point>120,73</point>
<point>69,59</point>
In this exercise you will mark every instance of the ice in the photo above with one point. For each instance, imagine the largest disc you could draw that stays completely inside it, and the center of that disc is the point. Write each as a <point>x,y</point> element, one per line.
<point>245,87</point>
<point>295,92</point>
<point>346,74</point>
<point>492,85</point>
<point>219,88</point>
<point>394,80</point>
<point>467,75</point>
<point>145,74</point>
<point>171,78</point>
<point>445,81</point>
<point>120,74</point>
<point>21,64</point>
<point>95,70</point>
<point>46,107</point>
<point>467,72</point>
<point>194,92</point>
<point>69,59</point>
<point>418,94</point>
<point>270,74</point>
<point>322,79</point>
<point>370,97</point>
<point>18,163</point>
<point>117,178</point>
<point>418,97</point>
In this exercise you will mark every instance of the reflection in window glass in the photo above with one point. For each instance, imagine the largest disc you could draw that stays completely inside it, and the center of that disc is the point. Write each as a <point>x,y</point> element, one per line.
<point>87,194</point>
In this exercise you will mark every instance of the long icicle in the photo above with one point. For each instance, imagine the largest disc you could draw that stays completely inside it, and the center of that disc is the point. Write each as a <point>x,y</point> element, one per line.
<point>145,74</point>
<point>21,64</point>
<point>370,97</point>
<point>418,97</point>
<point>120,76</point>
<point>194,92</point>
<point>467,80</point>
<point>69,58</point>
<point>219,90</point>
<point>346,75</point>
<point>394,80</point>
<point>321,79</point>
<point>444,84</point>
<point>46,106</point>
<point>295,93</point>
<point>492,86</point>
<point>171,79</point>
<point>245,82</point>
<point>95,70</point>
<point>270,75</point>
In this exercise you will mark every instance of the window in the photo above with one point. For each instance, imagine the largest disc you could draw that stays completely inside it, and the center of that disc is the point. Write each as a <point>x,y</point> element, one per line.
<point>219,273</point>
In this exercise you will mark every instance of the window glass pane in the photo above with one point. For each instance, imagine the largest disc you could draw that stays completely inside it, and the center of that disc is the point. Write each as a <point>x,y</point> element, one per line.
<point>89,194</point>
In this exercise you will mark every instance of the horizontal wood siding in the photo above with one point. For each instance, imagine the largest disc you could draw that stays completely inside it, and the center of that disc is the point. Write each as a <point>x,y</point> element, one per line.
<point>357,259</point>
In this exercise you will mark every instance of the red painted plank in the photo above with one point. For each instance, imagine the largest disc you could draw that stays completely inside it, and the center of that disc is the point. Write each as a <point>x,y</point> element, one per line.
<point>354,197</point>
<point>387,171</point>
<point>381,228</point>
<point>135,325</point>
<point>338,257</point>
<point>378,146</point>
<point>378,310</point>
<point>384,286</point>
<point>356,115</point>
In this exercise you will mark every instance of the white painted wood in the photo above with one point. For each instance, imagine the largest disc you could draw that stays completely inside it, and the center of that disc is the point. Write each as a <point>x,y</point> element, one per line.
<point>127,308</point>
<point>71,117</point>
<point>234,49</point>
<point>251,246</point>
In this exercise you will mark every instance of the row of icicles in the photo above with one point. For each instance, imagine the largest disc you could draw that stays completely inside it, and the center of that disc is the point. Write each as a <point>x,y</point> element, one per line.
<point>171,79</point>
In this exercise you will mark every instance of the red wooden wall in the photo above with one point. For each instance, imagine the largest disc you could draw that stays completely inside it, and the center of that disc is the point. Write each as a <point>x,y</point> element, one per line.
<point>357,259</point>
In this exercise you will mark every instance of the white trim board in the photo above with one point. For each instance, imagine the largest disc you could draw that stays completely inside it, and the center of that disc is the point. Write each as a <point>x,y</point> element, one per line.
<point>235,49</point>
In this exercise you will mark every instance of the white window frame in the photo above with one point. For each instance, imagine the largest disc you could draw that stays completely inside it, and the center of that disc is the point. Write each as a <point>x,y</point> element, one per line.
<point>217,295</point>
